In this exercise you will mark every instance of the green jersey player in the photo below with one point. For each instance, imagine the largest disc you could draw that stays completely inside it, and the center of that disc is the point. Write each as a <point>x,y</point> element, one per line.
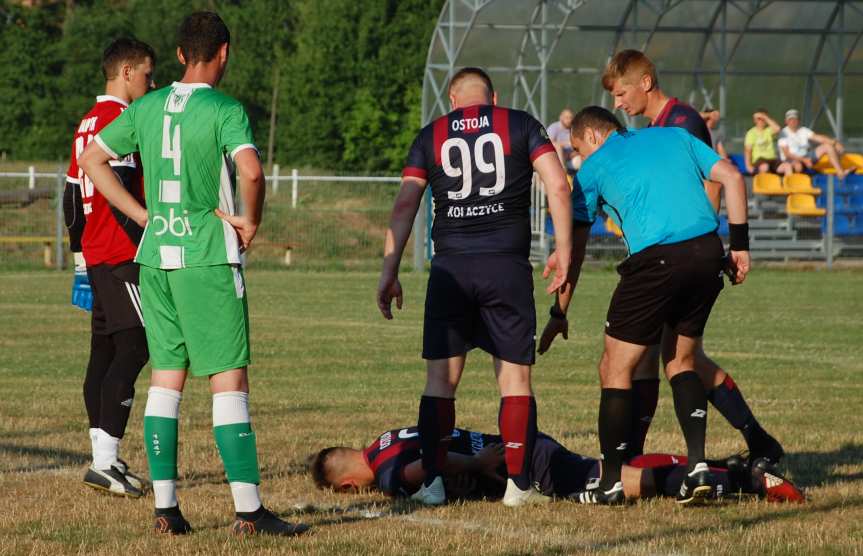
<point>192,139</point>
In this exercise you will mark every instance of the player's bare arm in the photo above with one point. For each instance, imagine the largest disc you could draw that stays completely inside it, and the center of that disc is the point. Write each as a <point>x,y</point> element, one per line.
<point>252,191</point>
<point>94,162</point>
<point>732,182</point>
<point>557,321</point>
<point>401,222</point>
<point>559,205</point>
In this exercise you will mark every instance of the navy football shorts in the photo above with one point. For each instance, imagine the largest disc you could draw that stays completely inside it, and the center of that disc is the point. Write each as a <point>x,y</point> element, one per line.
<point>674,284</point>
<point>483,301</point>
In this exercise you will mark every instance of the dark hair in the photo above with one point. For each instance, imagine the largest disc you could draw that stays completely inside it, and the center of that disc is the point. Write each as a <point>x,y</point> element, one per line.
<point>122,50</point>
<point>468,71</point>
<point>318,467</point>
<point>201,35</point>
<point>762,110</point>
<point>595,117</point>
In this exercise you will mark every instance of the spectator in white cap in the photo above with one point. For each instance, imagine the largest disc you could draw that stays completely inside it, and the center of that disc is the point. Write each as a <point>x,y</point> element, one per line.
<point>802,147</point>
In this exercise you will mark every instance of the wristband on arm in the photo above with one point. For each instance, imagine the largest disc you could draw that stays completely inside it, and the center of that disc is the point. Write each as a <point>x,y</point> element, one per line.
<point>556,313</point>
<point>739,236</point>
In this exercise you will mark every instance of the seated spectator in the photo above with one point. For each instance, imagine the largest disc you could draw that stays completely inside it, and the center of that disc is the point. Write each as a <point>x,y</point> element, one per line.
<point>758,148</point>
<point>711,118</point>
<point>558,132</point>
<point>796,144</point>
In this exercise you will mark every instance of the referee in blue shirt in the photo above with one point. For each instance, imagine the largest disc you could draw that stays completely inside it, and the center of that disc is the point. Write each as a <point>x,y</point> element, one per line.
<point>650,181</point>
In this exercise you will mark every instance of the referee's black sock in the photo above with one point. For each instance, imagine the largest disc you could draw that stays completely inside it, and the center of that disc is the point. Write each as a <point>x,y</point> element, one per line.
<point>690,404</point>
<point>436,421</point>
<point>645,396</point>
<point>615,420</point>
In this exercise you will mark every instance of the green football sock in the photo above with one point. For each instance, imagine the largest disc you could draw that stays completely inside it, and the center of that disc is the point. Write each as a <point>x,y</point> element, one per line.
<point>235,438</point>
<point>160,433</point>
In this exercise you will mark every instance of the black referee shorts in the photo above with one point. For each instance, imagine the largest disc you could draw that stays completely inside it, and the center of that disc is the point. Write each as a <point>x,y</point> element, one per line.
<point>483,301</point>
<point>675,284</point>
<point>116,297</point>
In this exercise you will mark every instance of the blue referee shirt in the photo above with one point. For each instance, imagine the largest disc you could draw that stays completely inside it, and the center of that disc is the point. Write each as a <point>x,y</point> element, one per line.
<point>650,182</point>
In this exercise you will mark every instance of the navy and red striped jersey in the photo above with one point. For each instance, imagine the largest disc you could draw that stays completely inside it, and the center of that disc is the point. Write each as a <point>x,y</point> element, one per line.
<point>679,114</point>
<point>478,161</point>
<point>392,451</point>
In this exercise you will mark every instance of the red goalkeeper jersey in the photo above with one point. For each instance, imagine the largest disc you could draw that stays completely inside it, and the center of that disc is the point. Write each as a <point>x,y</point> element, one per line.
<point>109,237</point>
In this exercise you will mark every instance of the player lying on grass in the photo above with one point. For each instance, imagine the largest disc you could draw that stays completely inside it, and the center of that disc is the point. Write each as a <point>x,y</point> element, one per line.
<point>474,468</point>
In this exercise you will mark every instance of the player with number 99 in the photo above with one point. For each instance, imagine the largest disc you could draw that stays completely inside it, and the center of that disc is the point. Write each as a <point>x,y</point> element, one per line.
<point>479,161</point>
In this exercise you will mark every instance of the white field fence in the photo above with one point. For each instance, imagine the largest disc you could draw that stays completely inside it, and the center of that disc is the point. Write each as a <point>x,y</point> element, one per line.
<point>331,222</point>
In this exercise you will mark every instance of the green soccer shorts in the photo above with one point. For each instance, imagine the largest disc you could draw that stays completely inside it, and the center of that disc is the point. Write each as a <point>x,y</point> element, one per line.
<point>196,318</point>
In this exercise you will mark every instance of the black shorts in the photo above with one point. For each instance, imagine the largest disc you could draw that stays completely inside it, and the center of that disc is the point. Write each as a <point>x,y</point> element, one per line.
<point>675,285</point>
<point>116,297</point>
<point>483,301</point>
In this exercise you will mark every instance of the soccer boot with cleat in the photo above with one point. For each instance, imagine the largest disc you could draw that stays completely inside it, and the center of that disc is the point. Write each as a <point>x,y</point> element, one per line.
<point>770,485</point>
<point>134,480</point>
<point>264,522</point>
<point>431,495</point>
<point>612,497</point>
<point>698,487</point>
<point>514,496</point>
<point>767,448</point>
<point>111,480</point>
<point>169,521</point>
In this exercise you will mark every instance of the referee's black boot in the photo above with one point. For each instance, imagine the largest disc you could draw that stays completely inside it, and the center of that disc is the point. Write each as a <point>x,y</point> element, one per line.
<point>698,487</point>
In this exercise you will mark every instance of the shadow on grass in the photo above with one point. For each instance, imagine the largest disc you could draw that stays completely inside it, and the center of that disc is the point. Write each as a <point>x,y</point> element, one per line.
<point>57,458</point>
<point>813,469</point>
<point>735,525</point>
<point>365,510</point>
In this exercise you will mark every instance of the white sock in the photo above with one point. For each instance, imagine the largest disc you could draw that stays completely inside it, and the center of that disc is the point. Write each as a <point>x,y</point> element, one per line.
<point>230,408</point>
<point>106,450</point>
<point>92,432</point>
<point>165,493</point>
<point>246,497</point>
<point>163,402</point>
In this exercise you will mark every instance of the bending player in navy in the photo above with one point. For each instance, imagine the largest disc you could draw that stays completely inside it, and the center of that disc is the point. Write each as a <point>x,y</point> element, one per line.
<point>474,468</point>
<point>650,182</point>
<point>104,242</point>
<point>479,161</point>
<point>632,81</point>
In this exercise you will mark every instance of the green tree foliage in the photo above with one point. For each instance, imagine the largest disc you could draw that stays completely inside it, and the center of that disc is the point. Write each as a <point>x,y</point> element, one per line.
<point>347,73</point>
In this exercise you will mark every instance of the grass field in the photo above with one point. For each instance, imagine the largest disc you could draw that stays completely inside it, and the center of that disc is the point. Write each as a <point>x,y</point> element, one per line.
<point>328,370</point>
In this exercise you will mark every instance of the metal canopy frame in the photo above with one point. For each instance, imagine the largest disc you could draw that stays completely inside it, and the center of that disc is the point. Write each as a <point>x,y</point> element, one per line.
<point>637,24</point>
<point>550,19</point>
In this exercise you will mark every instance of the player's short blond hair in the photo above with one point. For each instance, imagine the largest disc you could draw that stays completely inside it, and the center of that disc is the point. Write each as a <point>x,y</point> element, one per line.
<point>631,65</point>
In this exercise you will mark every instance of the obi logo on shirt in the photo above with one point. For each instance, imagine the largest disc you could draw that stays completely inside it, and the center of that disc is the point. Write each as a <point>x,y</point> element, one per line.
<point>177,225</point>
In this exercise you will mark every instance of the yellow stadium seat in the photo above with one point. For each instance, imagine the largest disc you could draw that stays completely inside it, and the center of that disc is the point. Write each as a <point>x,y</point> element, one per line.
<point>768,184</point>
<point>799,183</point>
<point>801,204</point>
<point>848,161</point>
<point>610,226</point>
<point>853,160</point>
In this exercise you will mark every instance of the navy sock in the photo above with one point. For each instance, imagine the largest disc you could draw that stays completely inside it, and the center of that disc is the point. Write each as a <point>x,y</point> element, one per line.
<point>436,421</point>
<point>729,401</point>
